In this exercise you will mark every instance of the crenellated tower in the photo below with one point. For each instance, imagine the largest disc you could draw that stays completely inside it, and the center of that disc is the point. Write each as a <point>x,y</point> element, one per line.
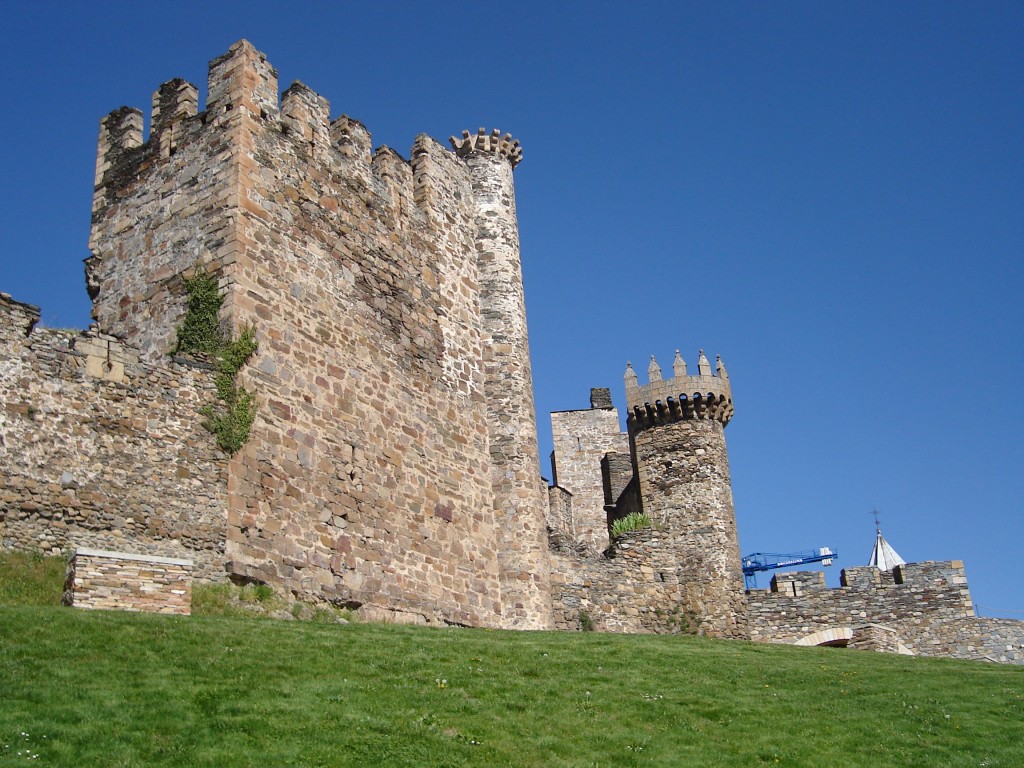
<point>393,460</point>
<point>677,434</point>
<point>512,427</point>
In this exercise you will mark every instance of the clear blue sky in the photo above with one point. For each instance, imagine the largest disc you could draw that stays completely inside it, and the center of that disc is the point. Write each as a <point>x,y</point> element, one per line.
<point>830,196</point>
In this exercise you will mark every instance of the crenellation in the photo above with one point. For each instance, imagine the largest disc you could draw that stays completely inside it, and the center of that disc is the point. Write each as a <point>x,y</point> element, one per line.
<point>243,80</point>
<point>19,319</point>
<point>120,137</point>
<point>353,141</point>
<point>797,583</point>
<point>863,577</point>
<point>494,142</point>
<point>395,176</point>
<point>702,396</point>
<point>173,103</point>
<point>305,115</point>
<point>925,609</point>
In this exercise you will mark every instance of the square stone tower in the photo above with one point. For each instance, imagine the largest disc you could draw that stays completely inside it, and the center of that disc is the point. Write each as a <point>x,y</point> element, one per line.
<point>392,463</point>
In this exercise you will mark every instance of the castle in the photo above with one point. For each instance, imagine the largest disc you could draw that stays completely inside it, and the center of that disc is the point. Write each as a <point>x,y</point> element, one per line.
<point>391,466</point>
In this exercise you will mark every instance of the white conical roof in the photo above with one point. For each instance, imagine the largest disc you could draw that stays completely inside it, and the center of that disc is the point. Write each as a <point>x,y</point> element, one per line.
<point>883,556</point>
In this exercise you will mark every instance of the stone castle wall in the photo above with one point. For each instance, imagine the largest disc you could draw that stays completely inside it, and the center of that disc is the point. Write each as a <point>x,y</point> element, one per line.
<point>99,449</point>
<point>925,606</point>
<point>633,586</point>
<point>393,461</point>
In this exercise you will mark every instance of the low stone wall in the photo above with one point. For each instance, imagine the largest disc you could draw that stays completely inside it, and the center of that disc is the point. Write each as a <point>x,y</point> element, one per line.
<point>125,582</point>
<point>100,450</point>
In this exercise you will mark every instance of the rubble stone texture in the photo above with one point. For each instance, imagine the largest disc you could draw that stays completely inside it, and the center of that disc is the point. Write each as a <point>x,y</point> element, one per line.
<point>392,466</point>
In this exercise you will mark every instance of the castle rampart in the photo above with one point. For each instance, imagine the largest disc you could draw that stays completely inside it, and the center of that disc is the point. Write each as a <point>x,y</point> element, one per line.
<point>101,450</point>
<point>633,586</point>
<point>925,607</point>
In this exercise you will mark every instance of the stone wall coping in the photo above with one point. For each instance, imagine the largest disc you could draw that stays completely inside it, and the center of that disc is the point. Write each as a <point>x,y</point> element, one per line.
<point>128,556</point>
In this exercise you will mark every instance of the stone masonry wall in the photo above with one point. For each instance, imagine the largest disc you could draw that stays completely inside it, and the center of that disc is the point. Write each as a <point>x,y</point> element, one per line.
<point>927,606</point>
<point>100,450</point>
<point>366,480</point>
<point>125,582</point>
<point>633,586</point>
<point>581,439</point>
<point>683,472</point>
<point>160,211</point>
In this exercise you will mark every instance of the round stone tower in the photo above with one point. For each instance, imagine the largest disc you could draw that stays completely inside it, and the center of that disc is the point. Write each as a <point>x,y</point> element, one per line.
<point>677,431</point>
<point>515,472</point>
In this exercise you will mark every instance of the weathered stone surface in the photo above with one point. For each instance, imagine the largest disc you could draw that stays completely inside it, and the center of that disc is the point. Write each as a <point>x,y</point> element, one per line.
<point>581,439</point>
<point>684,485</point>
<point>393,458</point>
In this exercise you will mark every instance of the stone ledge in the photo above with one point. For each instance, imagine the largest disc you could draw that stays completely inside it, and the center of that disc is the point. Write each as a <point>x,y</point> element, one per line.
<point>83,552</point>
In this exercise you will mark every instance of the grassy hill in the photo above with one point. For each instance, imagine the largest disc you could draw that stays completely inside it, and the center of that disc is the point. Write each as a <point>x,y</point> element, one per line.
<point>85,688</point>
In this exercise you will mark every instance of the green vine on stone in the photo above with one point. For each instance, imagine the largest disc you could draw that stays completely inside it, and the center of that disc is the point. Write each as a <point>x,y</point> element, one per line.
<point>201,332</point>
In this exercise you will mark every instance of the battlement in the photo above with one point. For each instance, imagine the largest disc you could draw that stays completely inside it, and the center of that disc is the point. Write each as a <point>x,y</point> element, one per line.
<point>18,318</point>
<point>484,142</point>
<point>704,396</point>
<point>939,576</point>
<point>242,90</point>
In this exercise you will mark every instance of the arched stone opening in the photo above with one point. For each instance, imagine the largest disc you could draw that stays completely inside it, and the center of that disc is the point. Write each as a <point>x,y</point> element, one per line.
<point>836,637</point>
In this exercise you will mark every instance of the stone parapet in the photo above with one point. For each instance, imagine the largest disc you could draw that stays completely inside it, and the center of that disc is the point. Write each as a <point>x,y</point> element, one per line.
<point>100,579</point>
<point>660,401</point>
<point>504,146</point>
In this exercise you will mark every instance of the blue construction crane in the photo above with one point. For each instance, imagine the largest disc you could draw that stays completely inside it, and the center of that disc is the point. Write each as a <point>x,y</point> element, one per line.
<point>769,561</point>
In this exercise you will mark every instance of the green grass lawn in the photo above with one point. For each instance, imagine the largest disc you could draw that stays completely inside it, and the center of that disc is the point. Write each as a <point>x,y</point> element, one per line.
<point>90,688</point>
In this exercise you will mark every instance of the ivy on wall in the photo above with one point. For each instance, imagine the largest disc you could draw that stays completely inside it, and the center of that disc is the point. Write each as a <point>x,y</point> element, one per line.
<point>201,332</point>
